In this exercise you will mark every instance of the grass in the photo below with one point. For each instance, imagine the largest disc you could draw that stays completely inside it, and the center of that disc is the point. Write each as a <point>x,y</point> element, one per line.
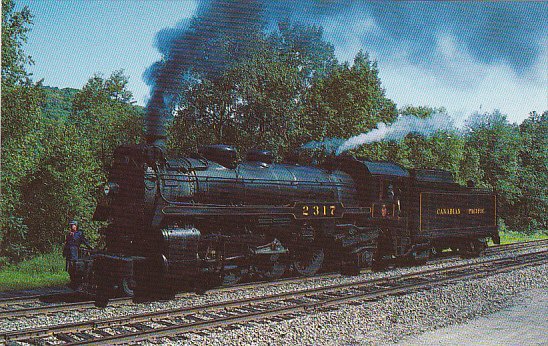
<point>508,237</point>
<point>41,271</point>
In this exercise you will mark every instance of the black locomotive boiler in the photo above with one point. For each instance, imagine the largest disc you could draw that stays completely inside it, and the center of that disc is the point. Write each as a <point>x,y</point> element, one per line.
<point>211,219</point>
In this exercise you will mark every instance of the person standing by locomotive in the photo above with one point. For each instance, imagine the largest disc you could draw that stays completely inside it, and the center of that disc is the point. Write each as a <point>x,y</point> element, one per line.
<point>73,240</point>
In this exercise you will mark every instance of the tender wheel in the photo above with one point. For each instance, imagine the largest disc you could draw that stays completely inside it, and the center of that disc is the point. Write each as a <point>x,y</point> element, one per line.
<point>474,248</point>
<point>233,274</point>
<point>420,257</point>
<point>308,262</point>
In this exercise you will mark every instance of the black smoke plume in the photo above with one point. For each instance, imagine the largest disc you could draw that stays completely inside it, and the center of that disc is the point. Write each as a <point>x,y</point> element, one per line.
<point>196,45</point>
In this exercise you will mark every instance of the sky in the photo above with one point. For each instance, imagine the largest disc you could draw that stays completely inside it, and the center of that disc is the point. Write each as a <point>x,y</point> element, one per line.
<point>466,57</point>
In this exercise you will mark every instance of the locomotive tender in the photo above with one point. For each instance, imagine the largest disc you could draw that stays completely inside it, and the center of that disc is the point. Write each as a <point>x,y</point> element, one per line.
<point>209,219</point>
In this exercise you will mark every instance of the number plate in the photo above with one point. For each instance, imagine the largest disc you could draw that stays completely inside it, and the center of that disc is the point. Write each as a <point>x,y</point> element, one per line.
<point>318,210</point>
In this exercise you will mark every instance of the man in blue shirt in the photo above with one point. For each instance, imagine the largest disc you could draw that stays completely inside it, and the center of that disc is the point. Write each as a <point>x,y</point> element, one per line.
<point>73,240</point>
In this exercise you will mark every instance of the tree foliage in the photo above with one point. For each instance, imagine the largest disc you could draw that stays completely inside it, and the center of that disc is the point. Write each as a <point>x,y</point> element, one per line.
<point>532,207</point>
<point>55,146</point>
<point>290,89</point>
<point>104,115</point>
<point>258,99</point>
<point>15,26</point>
<point>21,129</point>
<point>348,101</point>
<point>496,143</point>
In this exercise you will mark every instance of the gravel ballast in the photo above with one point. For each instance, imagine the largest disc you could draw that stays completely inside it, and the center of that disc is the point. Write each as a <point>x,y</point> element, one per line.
<point>389,320</point>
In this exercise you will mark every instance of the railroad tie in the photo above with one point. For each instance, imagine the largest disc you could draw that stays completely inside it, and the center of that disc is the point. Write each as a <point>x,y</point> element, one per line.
<point>141,326</point>
<point>194,318</point>
<point>38,342</point>
<point>101,332</point>
<point>84,336</point>
<point>211,315</point>
<point>250,309</point>
<point>68,338</point>
<point>166,322</point>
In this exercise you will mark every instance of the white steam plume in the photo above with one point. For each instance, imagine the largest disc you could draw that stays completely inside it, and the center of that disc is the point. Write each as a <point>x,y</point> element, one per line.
<point>404,125</point>
<point>397,131</point>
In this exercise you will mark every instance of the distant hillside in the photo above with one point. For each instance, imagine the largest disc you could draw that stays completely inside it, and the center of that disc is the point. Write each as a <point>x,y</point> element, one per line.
<point>58,102</point>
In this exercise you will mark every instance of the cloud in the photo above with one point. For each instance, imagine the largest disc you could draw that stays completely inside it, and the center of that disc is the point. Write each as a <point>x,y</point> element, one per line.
<point>465,57</point>
<point>464,84</point>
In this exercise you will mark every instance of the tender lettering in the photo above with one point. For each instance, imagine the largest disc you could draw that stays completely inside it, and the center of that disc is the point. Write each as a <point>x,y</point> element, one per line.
<point>459,211</point>
<point>476,211</point>
<point>448,211</point>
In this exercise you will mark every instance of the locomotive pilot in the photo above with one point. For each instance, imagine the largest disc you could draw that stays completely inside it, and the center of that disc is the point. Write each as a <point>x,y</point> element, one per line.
<point>73,240</point>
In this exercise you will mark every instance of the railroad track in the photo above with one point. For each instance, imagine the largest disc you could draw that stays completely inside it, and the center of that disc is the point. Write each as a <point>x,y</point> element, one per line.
<point>38,304</point>
<point>514,246</point>
<point>287,305</point>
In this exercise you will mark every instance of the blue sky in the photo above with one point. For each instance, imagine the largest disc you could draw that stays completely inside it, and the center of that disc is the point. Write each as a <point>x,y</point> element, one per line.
<point>464,56</point>
<point>72,40</point>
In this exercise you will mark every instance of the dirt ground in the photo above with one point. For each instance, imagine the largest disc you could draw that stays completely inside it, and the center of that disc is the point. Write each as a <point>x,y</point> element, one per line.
<point>524,323</point>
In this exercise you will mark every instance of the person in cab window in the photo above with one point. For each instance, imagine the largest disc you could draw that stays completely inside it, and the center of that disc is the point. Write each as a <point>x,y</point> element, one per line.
<point>390,192</point>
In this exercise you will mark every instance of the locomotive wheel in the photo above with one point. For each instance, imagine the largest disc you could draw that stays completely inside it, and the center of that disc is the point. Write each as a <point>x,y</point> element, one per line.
<point>273,269</point>
<point>350,266</point>
<point>233,274</point>
<point>126,288</point>
<point>308,263</point>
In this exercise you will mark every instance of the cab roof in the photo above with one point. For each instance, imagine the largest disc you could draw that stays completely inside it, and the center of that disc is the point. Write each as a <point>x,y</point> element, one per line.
<point>385,168</point>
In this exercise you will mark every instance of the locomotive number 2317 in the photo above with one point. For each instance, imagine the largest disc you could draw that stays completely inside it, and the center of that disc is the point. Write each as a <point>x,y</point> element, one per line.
<point>323,210</point>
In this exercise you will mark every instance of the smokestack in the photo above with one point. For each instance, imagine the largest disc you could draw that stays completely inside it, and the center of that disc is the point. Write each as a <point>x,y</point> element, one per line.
<point>156,121</point>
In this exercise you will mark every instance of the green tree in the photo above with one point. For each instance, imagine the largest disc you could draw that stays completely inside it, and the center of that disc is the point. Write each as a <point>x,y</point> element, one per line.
<point>15,26</point>
<point>497,144</point>
<point>421,111</point>
<point>348,101</point>
<point>470,168</point>
<point>63,187</point>
<point>533,182</point>
<point>21,128</point>
<point>443,150</point>
<point>58,102</point>
<point>105,116</point>
<point>258,99</point>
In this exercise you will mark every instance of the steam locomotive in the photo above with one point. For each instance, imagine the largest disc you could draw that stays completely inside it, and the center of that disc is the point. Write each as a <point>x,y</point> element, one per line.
<point>209,219</point>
